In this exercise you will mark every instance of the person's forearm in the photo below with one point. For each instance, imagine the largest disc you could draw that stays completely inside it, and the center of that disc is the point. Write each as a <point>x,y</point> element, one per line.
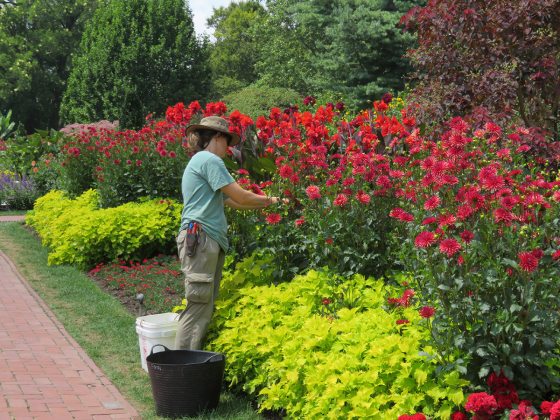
<point>251,200</point>
<point>235,205</point>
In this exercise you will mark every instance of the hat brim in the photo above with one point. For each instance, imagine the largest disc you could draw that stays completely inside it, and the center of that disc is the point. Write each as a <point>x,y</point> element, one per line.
<point>235,139</point>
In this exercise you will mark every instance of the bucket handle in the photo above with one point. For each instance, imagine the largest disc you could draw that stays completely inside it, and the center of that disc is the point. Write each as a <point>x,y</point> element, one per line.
<point>161,345</point>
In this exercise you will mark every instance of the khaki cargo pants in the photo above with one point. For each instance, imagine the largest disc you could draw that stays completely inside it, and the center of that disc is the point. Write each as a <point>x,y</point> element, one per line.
<point>203,273</point>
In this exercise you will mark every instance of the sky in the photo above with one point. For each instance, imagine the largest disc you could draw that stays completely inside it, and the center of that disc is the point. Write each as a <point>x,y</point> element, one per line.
<point>202,10</point>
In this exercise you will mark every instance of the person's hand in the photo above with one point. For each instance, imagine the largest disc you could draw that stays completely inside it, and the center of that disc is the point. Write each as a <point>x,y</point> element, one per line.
<point>277,200</point>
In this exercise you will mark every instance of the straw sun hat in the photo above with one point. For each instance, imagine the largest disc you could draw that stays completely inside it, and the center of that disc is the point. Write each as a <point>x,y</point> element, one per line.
<point>214,123</point>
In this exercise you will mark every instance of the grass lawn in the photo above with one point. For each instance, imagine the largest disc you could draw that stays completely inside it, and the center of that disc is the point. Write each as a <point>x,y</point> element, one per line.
<point>98,322</point>
<point>12,212</point>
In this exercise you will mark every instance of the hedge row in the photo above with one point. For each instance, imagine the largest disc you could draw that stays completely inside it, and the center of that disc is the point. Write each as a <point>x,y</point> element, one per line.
<point>78,232</point>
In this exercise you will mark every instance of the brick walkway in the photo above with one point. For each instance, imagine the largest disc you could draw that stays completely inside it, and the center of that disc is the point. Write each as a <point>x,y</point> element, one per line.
<point>12,218</point>
<point>44,374</point>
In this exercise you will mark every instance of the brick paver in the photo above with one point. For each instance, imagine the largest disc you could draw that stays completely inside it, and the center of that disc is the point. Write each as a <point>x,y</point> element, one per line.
<point>44,373</point>
<point>16,218</point>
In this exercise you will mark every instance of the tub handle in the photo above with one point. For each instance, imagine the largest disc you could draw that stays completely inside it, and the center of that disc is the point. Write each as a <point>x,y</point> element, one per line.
<point>211,357</point>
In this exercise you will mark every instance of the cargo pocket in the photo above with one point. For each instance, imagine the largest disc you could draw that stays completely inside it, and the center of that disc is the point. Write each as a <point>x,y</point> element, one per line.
<point>200,287</point>
<point>181,243</point>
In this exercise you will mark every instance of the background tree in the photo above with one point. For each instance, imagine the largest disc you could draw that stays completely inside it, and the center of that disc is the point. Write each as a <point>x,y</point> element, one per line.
<point>235,51</point>
<point>362,56</point>
<point>350,48</point>
<point>136,57</point>
<point>287,47</point>
<point>37,38</point>
<point>500,55</point>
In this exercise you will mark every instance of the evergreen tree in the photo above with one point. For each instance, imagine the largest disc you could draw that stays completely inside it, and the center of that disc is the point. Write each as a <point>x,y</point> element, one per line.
<point>363,53</point>
<point>37,38</point>
<point>352,48</point>
<point>136,57</point>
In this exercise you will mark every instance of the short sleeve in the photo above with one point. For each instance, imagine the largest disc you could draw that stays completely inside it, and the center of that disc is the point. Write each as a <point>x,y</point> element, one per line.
<point>216,173</point>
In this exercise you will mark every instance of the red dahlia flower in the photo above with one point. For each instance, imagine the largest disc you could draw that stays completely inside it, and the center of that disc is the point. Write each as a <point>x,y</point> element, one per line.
<point>449,247</point>
<point>363,197</point>
<point>502,215</point>
<point>528,262</point>
<point>429,220</point>
<point>286,171</point>
<point>481,404</point>
<point>546,406</point>
<point>313,192</point>
<point>424,239</point>
<point>464,211</point>
<point>340,200</point>
<point>400,214</point>
<point>427,311</point>
<point>273,218</point>
<point>432,203</point>
<point>348,181</point>
<point>524,412</point>
<point>467,236</point>
<point>406,297</point>
<point>402,321</point>
<point>417,416</point>
<point>458,416</point>
<point>555,411</point>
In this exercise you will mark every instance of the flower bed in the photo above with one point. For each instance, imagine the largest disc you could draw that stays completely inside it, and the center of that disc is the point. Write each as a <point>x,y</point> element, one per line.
<point>159,279</point>
<point>469,216</point>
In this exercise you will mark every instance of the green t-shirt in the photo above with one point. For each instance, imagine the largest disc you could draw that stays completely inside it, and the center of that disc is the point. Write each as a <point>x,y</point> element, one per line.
<point>203,201</point>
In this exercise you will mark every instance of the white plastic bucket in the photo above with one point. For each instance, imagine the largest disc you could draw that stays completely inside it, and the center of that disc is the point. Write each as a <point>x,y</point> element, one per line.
<point>156,329</point>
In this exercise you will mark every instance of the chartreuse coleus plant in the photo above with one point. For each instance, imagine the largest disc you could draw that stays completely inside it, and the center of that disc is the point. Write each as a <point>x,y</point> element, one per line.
<point>77,232</point>
<point>351,361</point>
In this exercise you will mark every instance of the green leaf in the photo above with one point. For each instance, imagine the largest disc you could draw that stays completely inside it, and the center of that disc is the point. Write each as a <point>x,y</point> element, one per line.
<point>483,372</point>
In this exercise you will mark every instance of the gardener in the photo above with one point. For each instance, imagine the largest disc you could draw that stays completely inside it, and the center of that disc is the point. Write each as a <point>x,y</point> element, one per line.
<point>202,240</point>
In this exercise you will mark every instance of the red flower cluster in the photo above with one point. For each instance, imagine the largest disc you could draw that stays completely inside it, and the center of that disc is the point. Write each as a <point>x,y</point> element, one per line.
<point>503,390</point>
<point>425,239</point>
<point>524,411</point>
<point>482,405</point>
<point>313,192</point>
<point>449,247</point>
<point>273,218</point>
<point>401,215</point>
<point>405,300</point>
<point>341,200</point>
<point>555,411</point>
<point>427,311</point>
<point>529,261</point>
<point>417,416</point>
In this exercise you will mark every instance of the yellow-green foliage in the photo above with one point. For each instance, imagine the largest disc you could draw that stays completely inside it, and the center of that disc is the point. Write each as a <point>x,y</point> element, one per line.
<point>77,232</point>
<point>355,364</point>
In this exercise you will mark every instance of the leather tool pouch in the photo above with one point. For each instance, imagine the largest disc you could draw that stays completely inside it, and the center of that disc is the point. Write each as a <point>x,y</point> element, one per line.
<point>192,242</point>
